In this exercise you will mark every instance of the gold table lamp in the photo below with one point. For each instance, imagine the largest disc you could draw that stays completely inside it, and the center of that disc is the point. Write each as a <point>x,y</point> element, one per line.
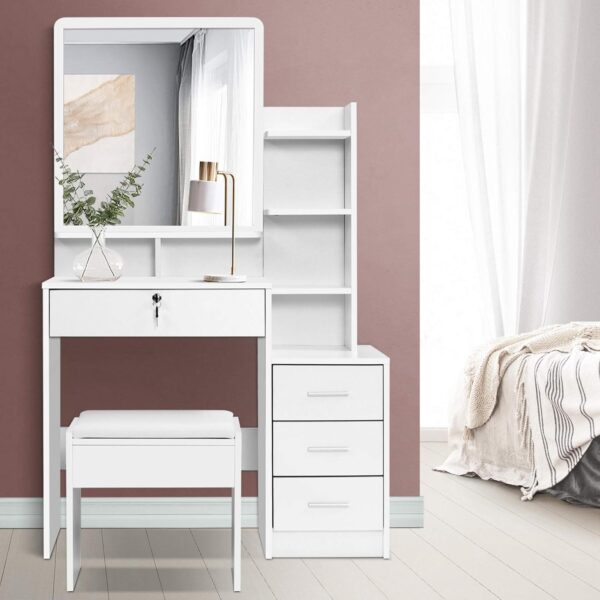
<point>205,197</point>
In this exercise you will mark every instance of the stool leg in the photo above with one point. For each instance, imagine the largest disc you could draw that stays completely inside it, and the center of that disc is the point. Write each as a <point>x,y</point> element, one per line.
<point>236,524</point>
<point>73,522</point>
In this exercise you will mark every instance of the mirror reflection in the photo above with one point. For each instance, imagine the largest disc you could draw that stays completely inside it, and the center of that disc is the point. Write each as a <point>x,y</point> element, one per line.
<point>188,94</point>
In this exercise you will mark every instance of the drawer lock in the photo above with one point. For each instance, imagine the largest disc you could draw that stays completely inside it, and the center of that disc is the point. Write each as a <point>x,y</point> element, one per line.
<point>156,301</point>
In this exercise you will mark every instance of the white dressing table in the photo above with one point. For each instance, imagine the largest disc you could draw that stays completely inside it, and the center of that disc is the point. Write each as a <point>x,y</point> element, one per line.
<point>126,308</point>
<point>323,400</point>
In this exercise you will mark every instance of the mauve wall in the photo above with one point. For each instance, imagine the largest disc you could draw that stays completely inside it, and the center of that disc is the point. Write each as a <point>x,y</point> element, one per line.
<point>317,53</point>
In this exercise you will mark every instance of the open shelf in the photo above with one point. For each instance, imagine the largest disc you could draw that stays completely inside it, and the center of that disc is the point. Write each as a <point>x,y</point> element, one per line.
<point>324,354</point>
<point>306,212</point>
<point>315,291</point>
<point>307,134</point>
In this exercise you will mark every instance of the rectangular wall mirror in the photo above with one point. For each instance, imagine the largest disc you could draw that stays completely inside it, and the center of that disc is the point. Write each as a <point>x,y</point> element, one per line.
<point>184,89</point>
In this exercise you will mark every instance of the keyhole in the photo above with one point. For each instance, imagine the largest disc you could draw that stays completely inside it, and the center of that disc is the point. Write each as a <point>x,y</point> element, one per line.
<point>156,298</point>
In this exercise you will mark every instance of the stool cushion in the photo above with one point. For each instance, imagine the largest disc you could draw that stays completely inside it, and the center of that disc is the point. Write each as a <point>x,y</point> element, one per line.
<point>193,424</point>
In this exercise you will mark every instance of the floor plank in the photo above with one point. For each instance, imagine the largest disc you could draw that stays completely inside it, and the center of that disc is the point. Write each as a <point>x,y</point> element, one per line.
<point>395,579</point>
<point>215,547</point>
<point>27,576</point>
<point>5,538</point>
<point>92,584</point>
<point>449,580</point>
<point>491,572</point>
<point>130,566</point>
<point>343,580</point>
<point>546,574</point>
<point>586,517</point>
<point>536,538</point>
<point>289,578</point>
<point>535,513</point>
<point>181,569</point>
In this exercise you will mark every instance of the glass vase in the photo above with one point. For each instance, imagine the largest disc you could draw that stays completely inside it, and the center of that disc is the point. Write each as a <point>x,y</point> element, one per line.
<point>98,263</point>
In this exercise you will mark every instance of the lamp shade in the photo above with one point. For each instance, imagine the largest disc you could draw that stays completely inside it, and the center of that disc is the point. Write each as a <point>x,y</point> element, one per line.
<point>206,196</point>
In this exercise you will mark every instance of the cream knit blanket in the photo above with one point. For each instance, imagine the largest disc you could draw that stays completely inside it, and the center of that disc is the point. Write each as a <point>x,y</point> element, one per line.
<point>487,366</point>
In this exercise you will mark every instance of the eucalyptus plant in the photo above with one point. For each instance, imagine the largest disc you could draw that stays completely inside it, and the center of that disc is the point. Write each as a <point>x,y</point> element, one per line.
<point>79,202</point>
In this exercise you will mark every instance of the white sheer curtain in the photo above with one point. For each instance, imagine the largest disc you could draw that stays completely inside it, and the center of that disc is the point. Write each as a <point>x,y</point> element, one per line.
<point>222,114</point>
<point>553,33</point>
<point>512,64</point>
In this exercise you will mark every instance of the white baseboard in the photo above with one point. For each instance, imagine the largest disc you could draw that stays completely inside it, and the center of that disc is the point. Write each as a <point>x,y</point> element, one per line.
<point>209,512</point>
<point>434,434</point>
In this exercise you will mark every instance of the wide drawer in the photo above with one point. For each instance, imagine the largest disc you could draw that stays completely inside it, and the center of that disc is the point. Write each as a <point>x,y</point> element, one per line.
<point>328,503</point>
<point>325,448</point>
<point>121,464</point>
<point>327,392</point>
<point>125,313</point>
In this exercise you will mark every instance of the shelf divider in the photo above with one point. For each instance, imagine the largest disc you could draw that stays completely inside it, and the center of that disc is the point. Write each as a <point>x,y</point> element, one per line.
<point>306,212</point>
<point>314,291</point>
<point>307,134</point>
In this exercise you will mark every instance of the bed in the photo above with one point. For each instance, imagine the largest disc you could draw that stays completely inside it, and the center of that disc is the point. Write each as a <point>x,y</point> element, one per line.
<point>502,448</point>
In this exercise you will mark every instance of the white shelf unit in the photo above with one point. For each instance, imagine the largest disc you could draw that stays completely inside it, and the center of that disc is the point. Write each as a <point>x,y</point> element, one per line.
<point>310,224</point>
<point>324,391</point>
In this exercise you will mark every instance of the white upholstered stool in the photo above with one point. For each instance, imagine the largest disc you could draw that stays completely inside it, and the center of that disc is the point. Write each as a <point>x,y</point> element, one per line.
<point>152,448</point>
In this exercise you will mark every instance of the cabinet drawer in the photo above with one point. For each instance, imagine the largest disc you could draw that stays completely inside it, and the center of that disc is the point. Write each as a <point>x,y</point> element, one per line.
<point>328,503</point>
<point>352,448</point>
<point>327,392</point>
<point>124,313</point>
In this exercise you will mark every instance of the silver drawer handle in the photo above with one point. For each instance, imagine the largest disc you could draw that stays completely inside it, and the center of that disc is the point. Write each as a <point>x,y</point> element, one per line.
<point>328,449</point>
<point>334,394</point>
<point>328,505</point>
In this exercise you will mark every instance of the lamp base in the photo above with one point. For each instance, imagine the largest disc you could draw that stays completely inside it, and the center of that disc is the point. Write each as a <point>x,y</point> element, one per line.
<point>224,278</point>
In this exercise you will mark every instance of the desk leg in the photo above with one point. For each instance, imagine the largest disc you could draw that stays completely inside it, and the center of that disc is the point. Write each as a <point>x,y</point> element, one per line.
<point>51,434</point>
<point>265,503</point>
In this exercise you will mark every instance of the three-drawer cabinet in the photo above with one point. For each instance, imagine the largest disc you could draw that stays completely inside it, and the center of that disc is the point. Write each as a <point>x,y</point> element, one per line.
<point>330,459</point>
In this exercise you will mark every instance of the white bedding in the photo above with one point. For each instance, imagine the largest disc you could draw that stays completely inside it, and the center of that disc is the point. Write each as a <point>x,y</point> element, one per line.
<point>495,450</point>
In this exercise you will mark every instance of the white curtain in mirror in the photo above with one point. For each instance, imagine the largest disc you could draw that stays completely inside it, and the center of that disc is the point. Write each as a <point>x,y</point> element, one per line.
<point>221,117</point>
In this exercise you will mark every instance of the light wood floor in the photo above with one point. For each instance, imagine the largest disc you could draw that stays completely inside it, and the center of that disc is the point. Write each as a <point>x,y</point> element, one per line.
<point>479,542</point>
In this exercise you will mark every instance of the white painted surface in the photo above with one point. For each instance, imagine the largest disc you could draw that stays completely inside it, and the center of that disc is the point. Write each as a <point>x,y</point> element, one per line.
<point>328,503</point>
<point>132,313</point>
<point>50,428</point>
<point>152,283</point>
<point>328,448</point>
<point>307,134</point>
<point>307,212</point>
<point>146,466</point>
<point>309,320</point>
<point>151,463</point>
<point>304,393</point>
<point>304,173</point>
<point>305,250</point>
<point>328,544</point>
<point>311,291</point>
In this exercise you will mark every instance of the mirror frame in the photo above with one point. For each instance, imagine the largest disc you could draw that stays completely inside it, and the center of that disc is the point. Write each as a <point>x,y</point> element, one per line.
<point>162,231</point>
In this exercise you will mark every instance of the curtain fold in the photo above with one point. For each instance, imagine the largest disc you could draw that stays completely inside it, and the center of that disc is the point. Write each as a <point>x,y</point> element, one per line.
<point>184,118</point>
<point>513,65</point>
